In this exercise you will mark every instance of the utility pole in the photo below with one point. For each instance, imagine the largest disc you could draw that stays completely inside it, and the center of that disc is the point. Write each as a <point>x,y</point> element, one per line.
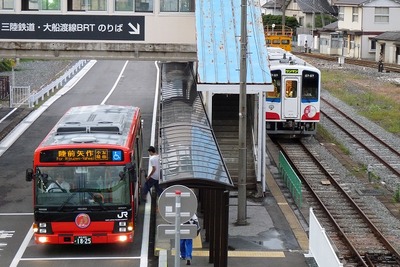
<point>283,16</point>
<point>241,219</point>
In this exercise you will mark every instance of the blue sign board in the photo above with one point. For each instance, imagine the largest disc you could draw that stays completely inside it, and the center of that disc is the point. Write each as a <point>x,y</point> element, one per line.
<point>71,27</point>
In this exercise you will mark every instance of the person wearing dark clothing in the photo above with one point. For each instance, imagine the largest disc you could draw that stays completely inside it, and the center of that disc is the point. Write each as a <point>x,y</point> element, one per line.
<point>153,178</point>
<point>380,63</point>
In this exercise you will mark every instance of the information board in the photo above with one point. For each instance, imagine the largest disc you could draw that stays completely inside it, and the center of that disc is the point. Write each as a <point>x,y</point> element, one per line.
<point>72,27</point>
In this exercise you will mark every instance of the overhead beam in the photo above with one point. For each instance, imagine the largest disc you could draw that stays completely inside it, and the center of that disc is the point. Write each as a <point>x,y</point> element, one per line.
<point>98,50</point>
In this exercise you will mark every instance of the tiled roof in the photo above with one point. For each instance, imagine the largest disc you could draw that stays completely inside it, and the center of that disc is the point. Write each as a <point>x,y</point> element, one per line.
<point>317,6</point>
<point>389,36</point>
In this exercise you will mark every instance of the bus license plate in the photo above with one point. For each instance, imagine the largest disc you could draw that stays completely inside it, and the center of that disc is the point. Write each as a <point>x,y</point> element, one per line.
<point>82,240</point>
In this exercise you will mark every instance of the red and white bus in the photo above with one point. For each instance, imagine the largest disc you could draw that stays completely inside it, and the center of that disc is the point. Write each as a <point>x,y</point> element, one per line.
<point>85,177</point>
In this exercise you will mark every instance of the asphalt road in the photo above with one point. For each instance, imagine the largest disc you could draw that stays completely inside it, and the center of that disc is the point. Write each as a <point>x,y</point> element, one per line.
<point>108,82</point>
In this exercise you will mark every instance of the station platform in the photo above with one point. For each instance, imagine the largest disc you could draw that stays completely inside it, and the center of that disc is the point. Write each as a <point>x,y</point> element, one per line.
<point>273,235</point>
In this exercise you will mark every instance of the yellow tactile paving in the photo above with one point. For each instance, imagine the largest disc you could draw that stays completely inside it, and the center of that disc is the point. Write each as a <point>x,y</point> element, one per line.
<point>241,253</point>
<point>298,230</point>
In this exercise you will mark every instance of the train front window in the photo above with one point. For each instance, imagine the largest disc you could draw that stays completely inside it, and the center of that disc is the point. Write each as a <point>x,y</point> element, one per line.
<point>310,84</point>
<point>277,90</point>
<point>92,185</point>
<point>276,81</point>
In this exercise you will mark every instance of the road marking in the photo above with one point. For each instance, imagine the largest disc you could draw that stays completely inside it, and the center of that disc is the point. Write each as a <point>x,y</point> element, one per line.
<point>9,113</point>
<point>2,245</point>
<point>115,84</point>
<point>6,234</point>
<point>22,248</point>
<point>7,141</point>
<point>146,222</point>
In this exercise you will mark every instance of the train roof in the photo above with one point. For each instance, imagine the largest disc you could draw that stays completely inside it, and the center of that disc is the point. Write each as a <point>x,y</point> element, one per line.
<point>96,124</point>
<point>276,53</point>
<point>279,57</point>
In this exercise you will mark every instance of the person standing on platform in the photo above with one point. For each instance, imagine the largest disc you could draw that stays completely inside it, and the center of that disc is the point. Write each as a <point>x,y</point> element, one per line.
<point>153,178</point>
<point>380,63</point>
<point>186,245</point>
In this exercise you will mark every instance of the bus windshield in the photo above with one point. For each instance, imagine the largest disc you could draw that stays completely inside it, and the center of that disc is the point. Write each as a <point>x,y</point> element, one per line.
<point>76,186</point>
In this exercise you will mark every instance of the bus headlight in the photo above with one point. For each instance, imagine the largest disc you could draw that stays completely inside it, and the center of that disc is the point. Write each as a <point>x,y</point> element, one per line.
<point>123,238</point>
<point>42,239</point>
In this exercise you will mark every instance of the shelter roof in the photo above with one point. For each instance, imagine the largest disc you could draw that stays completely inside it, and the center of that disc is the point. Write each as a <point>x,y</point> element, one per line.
<point>218,27</point>
<point>189,151</point>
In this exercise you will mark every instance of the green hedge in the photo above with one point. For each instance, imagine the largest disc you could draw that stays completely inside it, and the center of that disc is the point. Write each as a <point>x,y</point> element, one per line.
<point>6,64</point>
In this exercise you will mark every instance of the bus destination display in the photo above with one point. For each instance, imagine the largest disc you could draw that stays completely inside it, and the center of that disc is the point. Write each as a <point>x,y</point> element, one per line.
<point>81,155</point>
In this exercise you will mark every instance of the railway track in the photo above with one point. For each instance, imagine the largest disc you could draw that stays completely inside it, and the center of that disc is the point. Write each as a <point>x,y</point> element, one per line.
<point>358,239</point>
<point>360,62</point>
<point>381,155</point>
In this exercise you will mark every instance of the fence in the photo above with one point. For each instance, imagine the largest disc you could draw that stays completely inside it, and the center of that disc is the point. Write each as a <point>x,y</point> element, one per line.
<point>19,96</point>
<point>34,98</point>
<point>319,246</point>
<point>291,179</point>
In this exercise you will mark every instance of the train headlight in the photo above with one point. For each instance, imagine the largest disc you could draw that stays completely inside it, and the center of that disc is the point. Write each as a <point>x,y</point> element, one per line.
<point>310,111</point>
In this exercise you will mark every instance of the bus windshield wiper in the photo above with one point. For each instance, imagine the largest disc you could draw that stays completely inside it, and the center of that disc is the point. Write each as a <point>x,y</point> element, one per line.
<point>67,200</point>
<point>82,190</point>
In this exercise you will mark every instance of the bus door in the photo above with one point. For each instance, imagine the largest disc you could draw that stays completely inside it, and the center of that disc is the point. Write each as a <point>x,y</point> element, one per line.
<point>290,99</point>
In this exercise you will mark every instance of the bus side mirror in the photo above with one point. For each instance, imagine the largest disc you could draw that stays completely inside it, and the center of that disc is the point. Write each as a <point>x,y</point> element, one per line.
<point>29,175</point>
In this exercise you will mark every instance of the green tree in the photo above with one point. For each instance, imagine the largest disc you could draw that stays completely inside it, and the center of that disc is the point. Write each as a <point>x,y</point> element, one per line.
<point>327,19</point>
<point>6,64</point>
<point>277,20</point>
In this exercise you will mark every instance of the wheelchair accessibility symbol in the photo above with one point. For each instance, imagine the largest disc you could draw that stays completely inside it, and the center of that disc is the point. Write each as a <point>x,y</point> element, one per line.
<point>117,155</point>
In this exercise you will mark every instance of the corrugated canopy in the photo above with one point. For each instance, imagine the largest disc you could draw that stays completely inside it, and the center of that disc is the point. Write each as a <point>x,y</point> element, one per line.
<point>189,151</point>
<point>218,27</point>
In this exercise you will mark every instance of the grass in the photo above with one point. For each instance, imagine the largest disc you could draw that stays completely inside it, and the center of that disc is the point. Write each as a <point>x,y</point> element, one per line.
<point>352,89</point>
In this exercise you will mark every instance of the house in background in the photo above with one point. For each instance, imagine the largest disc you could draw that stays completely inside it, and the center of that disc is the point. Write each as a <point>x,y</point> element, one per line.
<point>359,32</point>
<point>304,11</point>
<point>361,21</point>
<point>330,40</point>
<point>388,43</point>
<point>272,7</point>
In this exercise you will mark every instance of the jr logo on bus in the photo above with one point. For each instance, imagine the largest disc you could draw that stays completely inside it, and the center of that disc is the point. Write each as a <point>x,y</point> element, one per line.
<point>291,71</point>
<point>123,214</point>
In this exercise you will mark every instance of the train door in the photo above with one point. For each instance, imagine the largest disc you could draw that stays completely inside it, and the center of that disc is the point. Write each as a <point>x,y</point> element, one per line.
<point>290,103</point>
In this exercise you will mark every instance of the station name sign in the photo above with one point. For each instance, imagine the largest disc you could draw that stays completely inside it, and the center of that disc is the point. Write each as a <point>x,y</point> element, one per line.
<point>81,155</point>
<point>71,27</point>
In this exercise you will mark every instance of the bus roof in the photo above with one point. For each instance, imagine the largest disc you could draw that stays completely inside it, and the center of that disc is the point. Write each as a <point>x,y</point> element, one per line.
<point>94,125</point>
